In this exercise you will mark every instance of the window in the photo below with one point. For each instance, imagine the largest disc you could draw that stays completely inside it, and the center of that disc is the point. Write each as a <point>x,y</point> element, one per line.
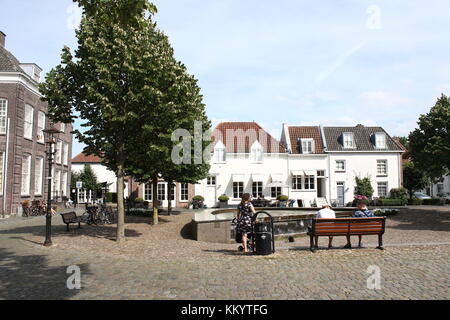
<point>65,153</point>
<point>382,189</point>
<point>238,189</point>
<point>148,192</point>
<point>257,188</point>
<point>57,183</point>
<point>63,127</point>
<point>64,184</point>
<point>296,182</point>
<point>211,180</point>
<point>382,167</point>
<point>28,122</point>
<point>256,152</point>
<point>321,173</point>
<point>26,168</point>
<point>309,183</point>
<point>39,169</point>
<point>340,165</point>
<point>40,127</point>
<point>219,152</point>
<point>3,115</point>
<point>184,192</point>
<point>275,192</point>
<point>1,171</point>
<point>380,140</point>
<point>347,138</point>
<point>307,145</point>
<point>161,191</point>
<point>172,192</point>
<point>58,152</point>
<point>440,188</point>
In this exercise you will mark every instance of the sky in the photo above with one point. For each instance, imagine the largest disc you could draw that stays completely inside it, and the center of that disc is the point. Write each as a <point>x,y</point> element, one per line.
<point>327,62</point>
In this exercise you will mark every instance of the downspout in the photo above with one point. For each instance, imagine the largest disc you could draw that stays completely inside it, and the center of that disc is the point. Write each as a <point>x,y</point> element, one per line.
<point>325,149</point>
<point>5,168</point>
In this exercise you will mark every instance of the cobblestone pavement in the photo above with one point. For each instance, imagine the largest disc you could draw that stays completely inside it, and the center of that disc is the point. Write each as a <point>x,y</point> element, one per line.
<point>158,262</point>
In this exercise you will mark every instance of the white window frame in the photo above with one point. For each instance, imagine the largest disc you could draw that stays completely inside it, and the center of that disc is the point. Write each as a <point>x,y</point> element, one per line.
<point>309,143</point>
<point>380,144</point>
<point>2,165</point>
<point>275,190</point>
<point>220,154</point>
<point>184,192</point>
<point>378,188</point>
<point>308,181</point>
<point>58,156</point>
<point>382,174</point>
<point>62,127</point>
<point>38,175</point>
<point>65,154</point>
<point>258,187</point>
<point>64,184</point>
<point>28,122</point>
<point>256,152</point>
<point>345,140</point>
<point>338,169</point>
<point>211,180</point>
<point>41,127</point>
<point>3,115</point>
<point>26,176</point>
<point>57,182</point>
<point>148,189</point>
<point>161,191</point>
<point>240,189</point>
<point>297,180</point>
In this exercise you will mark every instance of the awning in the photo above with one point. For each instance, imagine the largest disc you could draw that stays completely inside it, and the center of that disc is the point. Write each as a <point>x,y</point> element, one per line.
<point>297,172</point>
<point>257,177</point>
<point>310,172</point>
<point>276,184</point>
<point>276,177</point>
<point>238,177</point>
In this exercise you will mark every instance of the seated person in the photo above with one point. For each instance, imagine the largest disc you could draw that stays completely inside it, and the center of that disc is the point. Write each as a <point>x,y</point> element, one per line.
<point>362,212</point>
<point>326,213</point>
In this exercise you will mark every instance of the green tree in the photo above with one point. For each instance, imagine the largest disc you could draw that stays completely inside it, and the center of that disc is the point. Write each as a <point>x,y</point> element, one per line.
<point>364,187</point>
<point>117,83</point>
<point>413,178</point>
<point>430,142</point>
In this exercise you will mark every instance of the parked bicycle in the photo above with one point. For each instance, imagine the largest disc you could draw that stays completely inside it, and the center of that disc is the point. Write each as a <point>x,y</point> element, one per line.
<point>98,215</point>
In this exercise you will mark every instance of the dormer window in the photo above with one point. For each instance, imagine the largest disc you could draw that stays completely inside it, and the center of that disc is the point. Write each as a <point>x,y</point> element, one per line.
<point>306,145</point>
<point>256,152</point>
<point>219,152</point>
<point>380,140</point>
<point>347,140</point>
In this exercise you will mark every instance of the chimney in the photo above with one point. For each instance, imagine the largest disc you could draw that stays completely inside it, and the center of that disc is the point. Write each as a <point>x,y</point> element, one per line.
<point>2,39</point>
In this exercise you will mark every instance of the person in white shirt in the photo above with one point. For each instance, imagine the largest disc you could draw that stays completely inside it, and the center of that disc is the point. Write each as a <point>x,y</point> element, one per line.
<point>326,213</point>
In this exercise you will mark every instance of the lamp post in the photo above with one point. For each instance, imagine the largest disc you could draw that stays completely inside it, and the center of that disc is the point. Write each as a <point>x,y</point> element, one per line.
<point>51,135</point>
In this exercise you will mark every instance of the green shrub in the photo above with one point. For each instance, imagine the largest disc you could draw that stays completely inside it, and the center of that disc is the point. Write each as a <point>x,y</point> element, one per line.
<point>385,212</point>
<point>398,193</point>
<point>392,202</point>
<point>138,200</point>
<point>415,202</point>
<point>433,202</point>
<point>224,198</point>
<point>198,198</point>
<point>282,197</point>
<point>111,197</point>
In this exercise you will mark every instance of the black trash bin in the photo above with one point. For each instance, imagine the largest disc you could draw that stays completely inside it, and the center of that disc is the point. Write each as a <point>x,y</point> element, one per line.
<point>263,235</point>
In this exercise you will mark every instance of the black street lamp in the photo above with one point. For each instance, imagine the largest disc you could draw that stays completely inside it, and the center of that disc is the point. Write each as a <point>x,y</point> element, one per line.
<point>51,135</point>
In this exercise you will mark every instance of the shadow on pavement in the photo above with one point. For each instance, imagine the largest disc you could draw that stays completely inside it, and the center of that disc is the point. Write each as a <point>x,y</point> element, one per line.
<point>421,219</point>
<point>30,277</point>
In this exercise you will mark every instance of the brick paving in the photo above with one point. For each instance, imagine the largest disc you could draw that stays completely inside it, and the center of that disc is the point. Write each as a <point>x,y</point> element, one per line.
<point>161,262</point>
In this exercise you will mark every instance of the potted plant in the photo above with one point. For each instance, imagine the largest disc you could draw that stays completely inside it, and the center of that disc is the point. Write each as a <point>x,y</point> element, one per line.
<point>282,200</point>
<point>223,201</point>
<point>197,202</point>
<point>139,203</point>
<point>360,199</point>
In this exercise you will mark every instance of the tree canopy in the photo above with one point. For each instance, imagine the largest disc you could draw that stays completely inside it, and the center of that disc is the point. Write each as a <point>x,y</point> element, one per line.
<point>430,143</point>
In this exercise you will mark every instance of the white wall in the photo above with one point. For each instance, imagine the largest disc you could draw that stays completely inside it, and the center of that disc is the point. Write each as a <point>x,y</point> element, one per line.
<point>103,174</point>
<point>363,165</point>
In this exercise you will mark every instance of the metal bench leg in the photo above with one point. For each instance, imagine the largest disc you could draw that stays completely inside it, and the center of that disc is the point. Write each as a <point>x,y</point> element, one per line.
<point>67,227</point>
<point>380,242</point>
<point>311,243</point>
<point>79,225</point>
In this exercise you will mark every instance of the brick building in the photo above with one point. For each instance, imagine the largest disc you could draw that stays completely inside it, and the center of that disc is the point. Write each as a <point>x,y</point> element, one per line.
<point>23,162</point>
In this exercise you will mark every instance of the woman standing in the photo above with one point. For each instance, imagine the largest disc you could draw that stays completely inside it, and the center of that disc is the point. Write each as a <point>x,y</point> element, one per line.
<point>245,211</point>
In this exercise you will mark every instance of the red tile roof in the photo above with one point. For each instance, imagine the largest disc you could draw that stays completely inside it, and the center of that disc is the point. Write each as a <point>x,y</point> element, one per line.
<point>296,133</point>
<point>83,158</point>
<point>238,137</point>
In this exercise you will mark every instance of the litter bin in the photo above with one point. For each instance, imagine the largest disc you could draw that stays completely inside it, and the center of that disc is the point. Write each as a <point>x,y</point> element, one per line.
<point>263,236</point>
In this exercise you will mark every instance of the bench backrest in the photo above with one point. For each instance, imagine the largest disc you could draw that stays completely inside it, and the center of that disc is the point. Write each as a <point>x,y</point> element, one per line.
<point>68,216</point>
<point>349,226</point>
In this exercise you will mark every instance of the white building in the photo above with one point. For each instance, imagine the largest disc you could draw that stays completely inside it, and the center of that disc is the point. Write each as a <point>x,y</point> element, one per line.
<point>307,163</point>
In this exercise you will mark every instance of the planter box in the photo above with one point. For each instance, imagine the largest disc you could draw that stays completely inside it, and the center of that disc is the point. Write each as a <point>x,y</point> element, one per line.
<point>223,204</point>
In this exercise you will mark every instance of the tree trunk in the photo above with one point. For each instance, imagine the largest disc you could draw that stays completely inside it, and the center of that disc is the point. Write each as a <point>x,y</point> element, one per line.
<point>169,196</point>
<point>155,199</point>
<point>120,205</point>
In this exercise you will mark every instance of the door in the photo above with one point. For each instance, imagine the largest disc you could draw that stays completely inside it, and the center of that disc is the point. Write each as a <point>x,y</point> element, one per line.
<point>211,192</point>
<point>340,188</point>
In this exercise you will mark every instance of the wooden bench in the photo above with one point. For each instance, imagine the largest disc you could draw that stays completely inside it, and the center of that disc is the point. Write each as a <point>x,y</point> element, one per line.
<point>347,227</point>
<point>71,217</point>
